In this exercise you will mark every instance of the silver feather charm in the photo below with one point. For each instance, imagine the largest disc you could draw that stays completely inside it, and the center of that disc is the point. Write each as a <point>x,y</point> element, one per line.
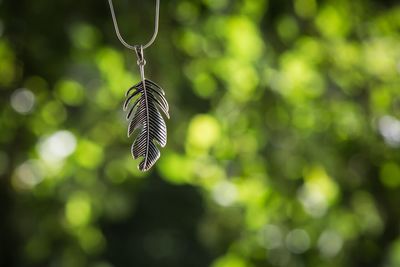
<point>144,117</point>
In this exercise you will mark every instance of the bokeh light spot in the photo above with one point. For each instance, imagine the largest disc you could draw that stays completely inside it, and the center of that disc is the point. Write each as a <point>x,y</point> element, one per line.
<point>330,243</point>
<point>204,85</point>
<point>186,11</point>
<point>243,39</point>
<point>27,175</point>
<point>78,210</point>
<point>318,192</point>
<point>225,193</point>
<point>272,237</point>
<point>330,23</point>
<point>70,92</point>
<point>91,239</point>
<point>305,8</point>
<point>230,260</point>
<point>203,132</point>
<point>89,154</point>
<point>22,101</point>
<point>57,146</point>
<point>287,28</point>
<point>389,127</point>
<point>297,241</point>
<point>83,36</point>
<point>176,168</point>
<point>51,108</point>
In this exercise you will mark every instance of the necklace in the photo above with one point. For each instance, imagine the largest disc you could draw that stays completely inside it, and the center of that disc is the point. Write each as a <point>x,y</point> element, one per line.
<point>148,100</point>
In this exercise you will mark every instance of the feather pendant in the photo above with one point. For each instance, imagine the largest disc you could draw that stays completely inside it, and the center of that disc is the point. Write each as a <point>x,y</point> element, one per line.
<point>144,117</point>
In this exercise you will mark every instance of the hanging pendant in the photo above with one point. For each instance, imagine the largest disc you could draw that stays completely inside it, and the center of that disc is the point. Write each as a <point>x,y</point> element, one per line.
<point>145,117</point>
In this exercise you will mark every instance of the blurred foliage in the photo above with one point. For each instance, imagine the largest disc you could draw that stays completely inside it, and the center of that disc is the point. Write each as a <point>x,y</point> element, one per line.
<point>283,142</point>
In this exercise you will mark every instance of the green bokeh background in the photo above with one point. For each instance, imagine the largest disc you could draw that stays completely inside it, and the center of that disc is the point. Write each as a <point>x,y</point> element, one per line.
<point>283,142</point>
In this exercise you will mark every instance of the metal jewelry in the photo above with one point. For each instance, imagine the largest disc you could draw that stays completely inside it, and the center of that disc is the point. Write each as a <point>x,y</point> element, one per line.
<point>144,101</point>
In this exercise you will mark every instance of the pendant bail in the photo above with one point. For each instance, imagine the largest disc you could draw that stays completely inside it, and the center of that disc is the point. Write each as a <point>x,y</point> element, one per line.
<point>140,55</point>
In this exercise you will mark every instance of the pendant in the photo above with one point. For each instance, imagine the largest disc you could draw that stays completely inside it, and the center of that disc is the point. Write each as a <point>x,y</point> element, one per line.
<point>145,118</point>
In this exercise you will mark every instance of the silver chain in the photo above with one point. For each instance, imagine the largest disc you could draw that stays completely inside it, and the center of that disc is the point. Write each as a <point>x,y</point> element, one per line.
<point>134,47</point>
